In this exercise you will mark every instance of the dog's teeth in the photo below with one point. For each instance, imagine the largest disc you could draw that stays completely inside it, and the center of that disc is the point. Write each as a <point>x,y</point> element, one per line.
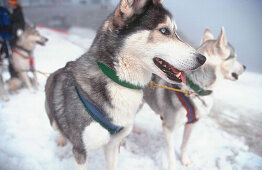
<point>178,74</point>
<point>164,66</point>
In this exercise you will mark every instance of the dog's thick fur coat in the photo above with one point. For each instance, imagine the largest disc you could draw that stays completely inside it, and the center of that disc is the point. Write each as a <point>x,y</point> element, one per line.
<point>127,42</point>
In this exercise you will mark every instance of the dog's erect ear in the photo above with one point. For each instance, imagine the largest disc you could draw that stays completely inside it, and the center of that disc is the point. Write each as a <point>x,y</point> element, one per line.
<point>207,36</point>
<point>126,9</point>
<point>158,1</point>
<point>222,40</point>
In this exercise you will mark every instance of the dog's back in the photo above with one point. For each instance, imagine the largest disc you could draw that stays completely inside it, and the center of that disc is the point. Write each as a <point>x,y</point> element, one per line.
<point>60,97</point>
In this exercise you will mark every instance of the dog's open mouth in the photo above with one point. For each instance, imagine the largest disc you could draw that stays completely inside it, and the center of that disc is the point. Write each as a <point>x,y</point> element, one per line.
<point>171,72</point>
<point>235,75</point>
<point>41,43</point>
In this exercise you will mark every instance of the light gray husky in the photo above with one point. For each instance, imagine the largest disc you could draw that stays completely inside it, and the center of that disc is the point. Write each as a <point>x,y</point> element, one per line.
<point>221,64</point>
<point>23,59</point>
<point>139,38</point>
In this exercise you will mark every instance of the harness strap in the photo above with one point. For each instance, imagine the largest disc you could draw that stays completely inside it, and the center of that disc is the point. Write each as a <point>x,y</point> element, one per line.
<point>191,114</point>
<point>22,48</point>
<point>32,63</point>
<point>197,89</point>
<point>31,59</point>
<point>97,115</point>
<point>22,55</point>
<point>112,75</point>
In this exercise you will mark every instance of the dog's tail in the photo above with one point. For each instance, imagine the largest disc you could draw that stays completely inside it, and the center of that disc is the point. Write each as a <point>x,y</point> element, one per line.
<point>207,36</point>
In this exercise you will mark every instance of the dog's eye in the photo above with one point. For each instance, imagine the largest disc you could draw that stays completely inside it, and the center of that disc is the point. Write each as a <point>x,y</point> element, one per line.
<point>164,31</point>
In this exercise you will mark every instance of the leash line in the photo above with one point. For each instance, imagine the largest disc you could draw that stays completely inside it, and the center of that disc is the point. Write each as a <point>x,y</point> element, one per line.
<point>38,71</point>
<point>186,92</point>
<point>31,62</point>
<point>43,73</point>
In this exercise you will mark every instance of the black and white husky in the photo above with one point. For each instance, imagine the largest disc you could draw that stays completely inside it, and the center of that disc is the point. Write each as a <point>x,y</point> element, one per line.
<point>139,38</point>
<point>221,64</point>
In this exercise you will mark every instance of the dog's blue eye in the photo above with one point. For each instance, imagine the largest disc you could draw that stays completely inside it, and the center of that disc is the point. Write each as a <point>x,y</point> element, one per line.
<point>164,31</point>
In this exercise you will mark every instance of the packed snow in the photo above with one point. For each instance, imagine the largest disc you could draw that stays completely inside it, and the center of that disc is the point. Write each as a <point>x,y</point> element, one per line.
<point>229,139</point>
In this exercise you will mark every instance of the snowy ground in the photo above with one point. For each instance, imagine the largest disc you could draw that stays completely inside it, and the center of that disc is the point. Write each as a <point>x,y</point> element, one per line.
<point>230,139</point>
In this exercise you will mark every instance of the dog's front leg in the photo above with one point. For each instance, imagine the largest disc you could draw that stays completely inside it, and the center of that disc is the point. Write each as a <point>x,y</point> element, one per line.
<point>26,80</point>
<point>186,137</point>
<point>169,141</point>
<point>36,80</point>
<point>80,158</point>
<point>111,153</point>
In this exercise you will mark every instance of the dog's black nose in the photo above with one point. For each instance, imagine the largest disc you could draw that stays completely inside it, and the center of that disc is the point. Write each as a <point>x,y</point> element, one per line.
<point>201,59</point>
<point>244,67</point>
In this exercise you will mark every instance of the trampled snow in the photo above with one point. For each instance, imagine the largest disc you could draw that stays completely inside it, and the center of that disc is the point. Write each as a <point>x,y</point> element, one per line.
<point>229,139</point>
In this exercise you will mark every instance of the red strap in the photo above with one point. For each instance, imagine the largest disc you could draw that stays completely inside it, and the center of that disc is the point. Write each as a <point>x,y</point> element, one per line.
<point>31,59</point>
<point>22,55</point>
<point>191,114</point>
<point>32,63</point>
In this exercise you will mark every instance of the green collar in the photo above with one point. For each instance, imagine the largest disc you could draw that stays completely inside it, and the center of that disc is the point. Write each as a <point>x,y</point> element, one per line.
<point>112,75</point>
<point>197,89</point>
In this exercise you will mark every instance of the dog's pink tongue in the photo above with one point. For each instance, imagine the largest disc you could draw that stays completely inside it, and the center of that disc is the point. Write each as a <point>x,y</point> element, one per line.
<point>183,77</point>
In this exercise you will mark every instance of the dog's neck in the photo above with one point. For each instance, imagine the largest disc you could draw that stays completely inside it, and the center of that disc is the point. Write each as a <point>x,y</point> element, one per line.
<point>130,69</point>
<point>204,76</point>
<point>26,44</point>
<point>20,48</point>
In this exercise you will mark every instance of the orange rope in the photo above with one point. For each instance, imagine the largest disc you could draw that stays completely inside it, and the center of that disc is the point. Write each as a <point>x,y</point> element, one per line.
<point>186,92</point>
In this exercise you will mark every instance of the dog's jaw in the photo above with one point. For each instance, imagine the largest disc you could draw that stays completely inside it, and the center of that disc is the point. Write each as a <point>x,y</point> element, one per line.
<point>130,69</point>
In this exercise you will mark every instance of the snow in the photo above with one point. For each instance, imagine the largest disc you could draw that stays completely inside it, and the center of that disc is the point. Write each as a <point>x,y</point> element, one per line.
<point>229,139</point>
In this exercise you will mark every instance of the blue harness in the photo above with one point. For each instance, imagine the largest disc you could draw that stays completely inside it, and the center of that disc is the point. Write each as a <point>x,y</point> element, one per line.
<point>96,114</point>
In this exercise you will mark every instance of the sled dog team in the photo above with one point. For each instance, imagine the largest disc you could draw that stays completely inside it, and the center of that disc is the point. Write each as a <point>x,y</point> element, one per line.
<point>93,100</point>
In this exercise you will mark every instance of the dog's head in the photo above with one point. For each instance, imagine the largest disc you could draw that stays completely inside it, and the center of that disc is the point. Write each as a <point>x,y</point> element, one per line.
<point>148,32</point>
<point>222,54</point>
<point>30,38</point>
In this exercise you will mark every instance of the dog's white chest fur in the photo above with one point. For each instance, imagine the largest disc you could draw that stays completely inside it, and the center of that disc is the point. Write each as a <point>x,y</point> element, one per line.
<point>125,105</point>
<point>19,62</point>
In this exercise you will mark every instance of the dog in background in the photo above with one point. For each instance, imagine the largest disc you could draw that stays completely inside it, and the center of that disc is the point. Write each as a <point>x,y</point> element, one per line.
<point>23,59</point>
<point>221,64</point>
<point>139,38</point>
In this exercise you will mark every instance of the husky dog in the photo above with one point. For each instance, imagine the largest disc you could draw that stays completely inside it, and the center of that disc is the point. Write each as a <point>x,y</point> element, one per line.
<point>139,38</point>
<point>23,58</point>
<point>221,64</point>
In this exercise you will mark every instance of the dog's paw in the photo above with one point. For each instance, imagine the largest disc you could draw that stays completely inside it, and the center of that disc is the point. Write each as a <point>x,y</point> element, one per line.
<point>32,91</point>
<point>5,98</point>
<point>186,161</point>
<point>61,141</point>
<point>171,166</point>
